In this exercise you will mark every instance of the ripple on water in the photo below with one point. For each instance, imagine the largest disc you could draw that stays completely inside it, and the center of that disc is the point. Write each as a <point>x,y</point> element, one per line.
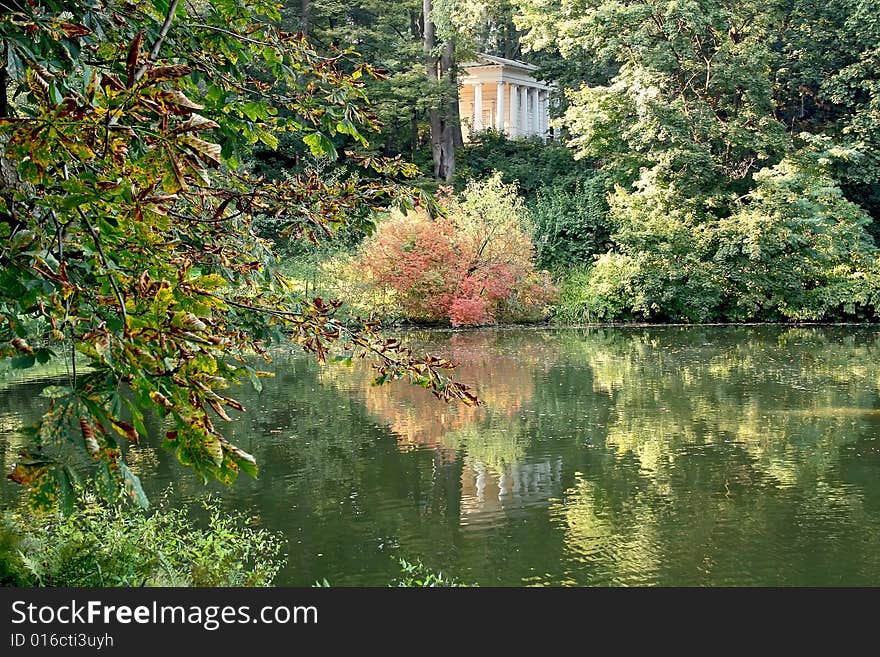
<point>613,456</point>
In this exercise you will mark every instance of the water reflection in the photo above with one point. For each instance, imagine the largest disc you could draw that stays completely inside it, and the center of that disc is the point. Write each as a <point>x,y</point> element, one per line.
<point>659,455</point>
<point>491,439</point>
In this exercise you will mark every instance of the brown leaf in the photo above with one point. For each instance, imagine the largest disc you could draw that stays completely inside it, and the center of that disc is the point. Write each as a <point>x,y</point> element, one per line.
<point>125,429</point>
<point>195,123</point>
<point>159,398</point>
<point>207,151</point>
<point>176,102</point>
<point>22,346</point>
<point>26,474</point>
<point>111,81</point>
<point>233,403</point>
<point>73,30</point>
<point>88,433</point>
<point>172,72</point>
<point>134,53</point>
<point>38,85</point>
<point>218,409</point>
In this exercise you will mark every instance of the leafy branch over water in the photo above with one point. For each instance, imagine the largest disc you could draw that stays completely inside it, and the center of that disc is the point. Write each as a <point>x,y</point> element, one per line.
<point>127,225</point>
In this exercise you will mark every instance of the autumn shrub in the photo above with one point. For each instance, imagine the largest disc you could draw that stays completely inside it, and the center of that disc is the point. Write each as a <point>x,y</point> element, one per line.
<point>474,266</point>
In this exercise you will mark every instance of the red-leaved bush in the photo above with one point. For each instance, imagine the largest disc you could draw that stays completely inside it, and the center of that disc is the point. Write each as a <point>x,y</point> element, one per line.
<point>473,267</point>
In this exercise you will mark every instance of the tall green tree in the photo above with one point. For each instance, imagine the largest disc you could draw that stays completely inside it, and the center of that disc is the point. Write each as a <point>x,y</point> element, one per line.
<point>416,100</point>
<point>828,82</point>
<point>694,124</point>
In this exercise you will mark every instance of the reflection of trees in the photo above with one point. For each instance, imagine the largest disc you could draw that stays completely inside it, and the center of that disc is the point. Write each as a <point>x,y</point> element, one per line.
<point>493,438</point>
<point>624,456</point>
<point>20,406</point>
<point>791,408</point>
<point>490,434</point>
<point>735,437</point>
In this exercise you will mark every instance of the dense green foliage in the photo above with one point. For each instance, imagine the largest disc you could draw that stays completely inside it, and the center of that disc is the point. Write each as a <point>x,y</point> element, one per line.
<point>742,149</point>
<point>530,163</point>
<point>572,225</point>
<point>104,546</point>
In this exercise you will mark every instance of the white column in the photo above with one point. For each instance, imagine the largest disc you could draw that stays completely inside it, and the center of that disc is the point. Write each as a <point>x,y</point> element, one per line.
<point>547,114</point>
<point>478,107</point>
<point>542,114</point>
<point>523,112</point>
<point>539,124</point>
<point>514,111</point>
<point>499,108</point>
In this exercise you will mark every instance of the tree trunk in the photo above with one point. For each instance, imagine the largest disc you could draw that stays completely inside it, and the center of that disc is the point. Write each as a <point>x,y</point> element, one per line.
<point>414,136</point>
<point>416,20</point>
<point>453,118</point>
<point>305,13</point>
<point>4,81</point>
<point>442,117</point>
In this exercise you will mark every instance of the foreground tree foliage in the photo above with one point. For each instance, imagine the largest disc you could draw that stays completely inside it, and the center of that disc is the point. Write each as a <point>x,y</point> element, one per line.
<point>126,218</point>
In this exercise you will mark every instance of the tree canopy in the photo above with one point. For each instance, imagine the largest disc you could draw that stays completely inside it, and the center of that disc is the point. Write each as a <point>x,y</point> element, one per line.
<point>741,138</point>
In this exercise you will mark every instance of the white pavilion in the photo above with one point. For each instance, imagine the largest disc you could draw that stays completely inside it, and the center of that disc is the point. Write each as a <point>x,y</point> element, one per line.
<point>503,94</point>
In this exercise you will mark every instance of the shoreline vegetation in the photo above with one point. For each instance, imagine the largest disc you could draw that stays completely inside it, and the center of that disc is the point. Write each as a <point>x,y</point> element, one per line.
<point>549,325</point>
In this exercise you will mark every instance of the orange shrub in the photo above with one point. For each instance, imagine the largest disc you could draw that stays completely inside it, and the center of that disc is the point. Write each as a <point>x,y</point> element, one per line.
<point>474,267</point>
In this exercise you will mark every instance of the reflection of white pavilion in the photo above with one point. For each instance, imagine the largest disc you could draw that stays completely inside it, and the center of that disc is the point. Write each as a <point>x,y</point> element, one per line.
<point>503,94</point>
<point>487,492</point>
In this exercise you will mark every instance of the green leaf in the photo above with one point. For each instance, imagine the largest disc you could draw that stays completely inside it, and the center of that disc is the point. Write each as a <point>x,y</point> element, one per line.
<point>137,419</point>
<point>254,111</point>
<point>161,6</point>
<point>249,467</point>
<point>255,380</point>
<point>24,361</point>
<point>132,485</point>
<point>105,482</point>
<point>267,138</point>
<point>64,489</point>
<point>55,94</point>
<point>320,145</point>
<point>346,127</point>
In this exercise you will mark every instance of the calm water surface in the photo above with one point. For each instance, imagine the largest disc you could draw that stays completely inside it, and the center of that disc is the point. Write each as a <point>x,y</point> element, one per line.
<point>626,456</point>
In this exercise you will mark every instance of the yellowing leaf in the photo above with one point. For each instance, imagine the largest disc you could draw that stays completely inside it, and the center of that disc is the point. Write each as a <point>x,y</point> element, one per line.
<point>206,150</point>
<point>163,73</point>
<point>195,123</point>
<point>208,282</point>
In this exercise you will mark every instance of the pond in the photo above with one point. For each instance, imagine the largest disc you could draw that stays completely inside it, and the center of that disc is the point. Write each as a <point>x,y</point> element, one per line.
<point>603,456</point>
